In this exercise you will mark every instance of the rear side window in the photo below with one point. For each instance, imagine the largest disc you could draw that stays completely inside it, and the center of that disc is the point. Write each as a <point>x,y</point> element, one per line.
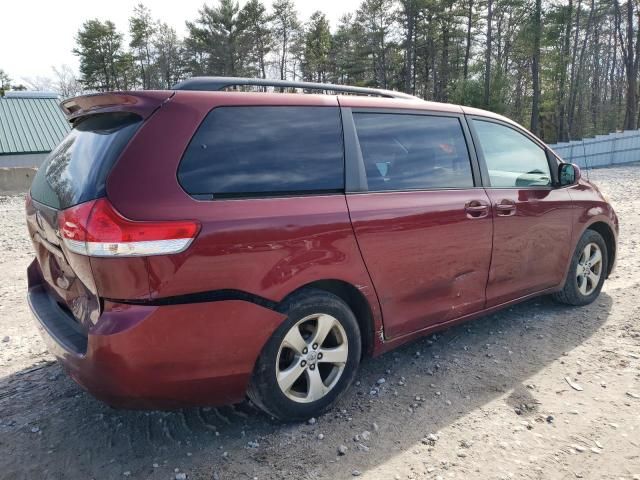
<point>252,151</point>
<point>77,169</point>
<point>413,152</point>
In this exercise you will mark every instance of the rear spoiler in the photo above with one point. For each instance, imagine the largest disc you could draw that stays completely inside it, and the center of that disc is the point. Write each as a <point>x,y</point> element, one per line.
<point>142,103</point>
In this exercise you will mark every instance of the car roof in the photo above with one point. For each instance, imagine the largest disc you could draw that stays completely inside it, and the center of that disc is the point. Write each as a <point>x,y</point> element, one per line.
<point>136,100</point>
<point>219,98</point>
<point>348,95</point>
<point>230,97</point>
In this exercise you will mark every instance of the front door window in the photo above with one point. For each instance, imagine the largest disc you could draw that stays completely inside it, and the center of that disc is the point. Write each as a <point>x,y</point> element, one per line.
<point>513,160</point>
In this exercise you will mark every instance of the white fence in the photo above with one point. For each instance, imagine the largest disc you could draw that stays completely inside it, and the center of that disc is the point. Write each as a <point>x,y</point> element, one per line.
<point>602,150</point>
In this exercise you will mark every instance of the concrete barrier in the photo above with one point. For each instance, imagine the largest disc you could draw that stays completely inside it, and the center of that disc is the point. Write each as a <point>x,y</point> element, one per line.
<point>16,180</point>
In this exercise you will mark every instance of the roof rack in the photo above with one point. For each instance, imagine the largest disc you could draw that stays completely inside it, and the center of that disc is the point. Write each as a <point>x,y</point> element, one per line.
<point>221,83</point>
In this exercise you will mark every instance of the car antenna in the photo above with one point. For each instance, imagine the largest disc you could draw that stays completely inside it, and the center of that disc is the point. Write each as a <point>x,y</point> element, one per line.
<point>586,163</point>
<point>584,154</point>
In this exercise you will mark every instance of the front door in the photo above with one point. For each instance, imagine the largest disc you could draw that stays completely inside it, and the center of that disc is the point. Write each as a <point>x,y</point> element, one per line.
<point>423,227</point>
<point>531,216</point>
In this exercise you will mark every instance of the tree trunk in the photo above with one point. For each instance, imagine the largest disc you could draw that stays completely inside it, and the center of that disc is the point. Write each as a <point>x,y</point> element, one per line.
<point>261,61</point>
<point>383,66</point>
<point>410,14</point>
<point>467,49</point>
<point>535,69</point>
<point>574,66</point>
<point>630,121</point>
<point>414,72</point>
<point>579,71</point>
<point>562,112</point>
<point>517,105</point>
<point>630,54</point>
<point>487,57</point>
<point>595,84</point>
<point>283,59</point>
<point>636,64</point>
<point>444,67</point>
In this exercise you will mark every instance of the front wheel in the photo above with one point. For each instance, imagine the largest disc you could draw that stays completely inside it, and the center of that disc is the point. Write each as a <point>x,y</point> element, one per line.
<point>310,360</point>
<point>587,271</point>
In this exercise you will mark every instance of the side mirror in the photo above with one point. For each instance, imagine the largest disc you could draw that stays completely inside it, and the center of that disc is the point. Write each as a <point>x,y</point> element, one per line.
<point>569,174</point>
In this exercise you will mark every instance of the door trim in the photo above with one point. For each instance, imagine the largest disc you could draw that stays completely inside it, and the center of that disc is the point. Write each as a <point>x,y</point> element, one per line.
<point>390,344</point>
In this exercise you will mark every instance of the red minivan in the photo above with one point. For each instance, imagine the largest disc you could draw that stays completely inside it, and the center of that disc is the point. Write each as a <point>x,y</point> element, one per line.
<point>198,245</point>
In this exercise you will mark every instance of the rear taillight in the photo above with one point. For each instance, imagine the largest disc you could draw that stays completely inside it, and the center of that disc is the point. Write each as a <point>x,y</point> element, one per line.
<point>96,229</point>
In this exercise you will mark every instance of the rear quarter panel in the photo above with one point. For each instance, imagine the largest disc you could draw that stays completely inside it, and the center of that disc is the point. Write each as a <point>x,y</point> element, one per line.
<point>266,246</point>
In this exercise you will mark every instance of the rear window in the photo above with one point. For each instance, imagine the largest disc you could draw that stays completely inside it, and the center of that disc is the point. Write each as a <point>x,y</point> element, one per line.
<point>76,171</point>
<point>253,151</point>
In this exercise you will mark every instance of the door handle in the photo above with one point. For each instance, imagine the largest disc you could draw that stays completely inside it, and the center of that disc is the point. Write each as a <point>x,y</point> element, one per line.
<point>505,208</point>
<point>476,209</point>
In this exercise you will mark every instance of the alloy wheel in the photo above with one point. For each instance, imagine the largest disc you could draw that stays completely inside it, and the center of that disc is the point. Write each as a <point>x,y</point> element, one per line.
<point>311,358</point>
<point>589,269</point>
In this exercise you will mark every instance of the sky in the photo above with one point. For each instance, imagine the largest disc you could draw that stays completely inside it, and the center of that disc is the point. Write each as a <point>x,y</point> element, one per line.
<point>36,35</point>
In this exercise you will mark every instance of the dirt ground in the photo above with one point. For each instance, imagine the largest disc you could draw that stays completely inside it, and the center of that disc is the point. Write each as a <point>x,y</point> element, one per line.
<point>486,400</point>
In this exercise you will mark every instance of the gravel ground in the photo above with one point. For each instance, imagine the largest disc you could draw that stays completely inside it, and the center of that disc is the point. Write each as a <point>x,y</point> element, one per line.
<point>489,399</point>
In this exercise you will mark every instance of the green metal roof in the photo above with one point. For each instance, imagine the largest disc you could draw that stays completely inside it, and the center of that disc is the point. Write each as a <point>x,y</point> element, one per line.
<point>30,123</point>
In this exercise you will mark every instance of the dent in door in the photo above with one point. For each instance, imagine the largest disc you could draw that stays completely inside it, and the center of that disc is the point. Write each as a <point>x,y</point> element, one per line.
<point>427,259</point>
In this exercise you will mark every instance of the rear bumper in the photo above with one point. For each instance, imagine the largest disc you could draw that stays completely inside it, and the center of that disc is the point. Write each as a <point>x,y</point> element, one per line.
<point>159,357</point>
<point>57,323</point>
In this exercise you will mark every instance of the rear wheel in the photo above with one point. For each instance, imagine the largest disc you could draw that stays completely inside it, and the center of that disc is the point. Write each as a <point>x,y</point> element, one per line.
<point>310,360</point>
<point>587,271</point>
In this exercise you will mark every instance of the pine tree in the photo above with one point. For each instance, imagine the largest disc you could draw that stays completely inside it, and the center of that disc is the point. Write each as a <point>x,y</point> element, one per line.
<point>104,65</point>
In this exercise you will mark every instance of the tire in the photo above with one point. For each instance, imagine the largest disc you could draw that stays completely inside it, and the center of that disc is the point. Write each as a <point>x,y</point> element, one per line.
<point>288,356</point>
<point>575,292</point>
